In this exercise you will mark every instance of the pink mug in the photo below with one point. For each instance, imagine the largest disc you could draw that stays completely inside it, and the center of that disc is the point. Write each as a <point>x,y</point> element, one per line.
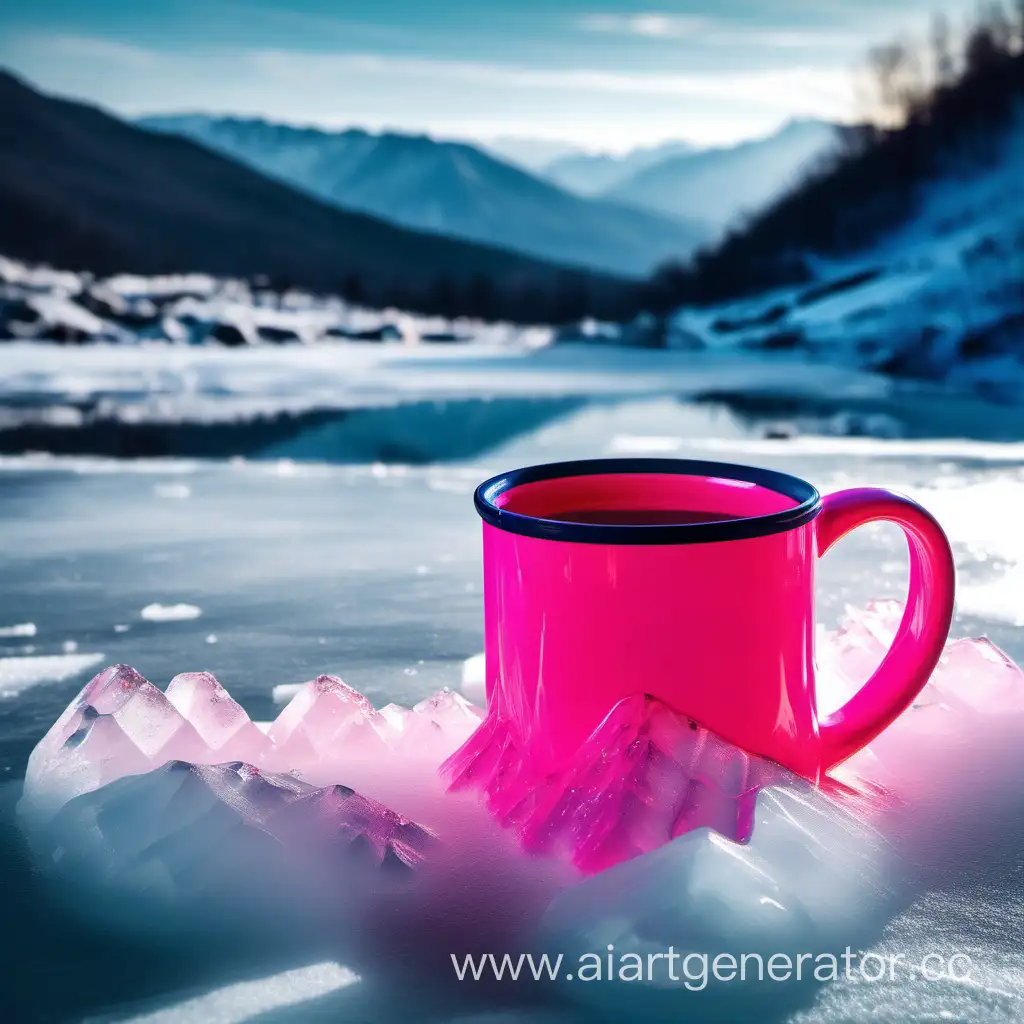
<point>692,582</point>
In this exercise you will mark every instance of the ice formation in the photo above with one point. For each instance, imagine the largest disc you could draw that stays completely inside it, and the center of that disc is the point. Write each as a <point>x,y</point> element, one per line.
<point>813,877</point>
<point>122,725</point>
<point>142,801</point>
<point>658,834</point>
<point>646,775</point>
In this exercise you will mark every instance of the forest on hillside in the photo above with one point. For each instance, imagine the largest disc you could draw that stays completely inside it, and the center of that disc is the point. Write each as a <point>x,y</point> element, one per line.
<point>929,108</point>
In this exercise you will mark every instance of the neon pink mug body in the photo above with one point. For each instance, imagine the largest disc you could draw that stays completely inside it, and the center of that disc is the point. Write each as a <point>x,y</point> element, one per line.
<point>692,582</point>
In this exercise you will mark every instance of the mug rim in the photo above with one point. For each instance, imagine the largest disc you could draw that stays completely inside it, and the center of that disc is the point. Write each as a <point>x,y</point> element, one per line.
<point>806,496</point>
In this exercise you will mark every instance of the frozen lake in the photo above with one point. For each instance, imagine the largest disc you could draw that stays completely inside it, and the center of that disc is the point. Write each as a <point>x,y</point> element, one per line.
<point>367,565</point>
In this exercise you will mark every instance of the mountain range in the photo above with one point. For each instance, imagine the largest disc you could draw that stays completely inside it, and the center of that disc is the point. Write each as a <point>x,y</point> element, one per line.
<point>82,189</point>
<point>722,184</point>
<point>595,174</point>
<point>533,155</point>
<point>451,188</point>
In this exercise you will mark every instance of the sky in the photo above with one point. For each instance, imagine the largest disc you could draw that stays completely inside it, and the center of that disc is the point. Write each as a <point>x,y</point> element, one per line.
<point>599,74</point>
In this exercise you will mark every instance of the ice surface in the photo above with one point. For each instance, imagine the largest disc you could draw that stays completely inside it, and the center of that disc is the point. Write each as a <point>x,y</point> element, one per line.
<point>18,674</point>
<point>245,1000</point>
<point>167,383</point>
<point>174,490</point>
<point>226,846</point>
<point>170,612</point>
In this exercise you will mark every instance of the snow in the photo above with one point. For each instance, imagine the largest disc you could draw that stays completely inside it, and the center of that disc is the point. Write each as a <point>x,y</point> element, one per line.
<point>134,285</point>
<point>186,308</point>
<point>170,612</point>
<point>952,274</point>
<point>56,309</point>
<point>40,278</point>
<point>18,629</point>
<point>233,1004</point>
<point>19,674</point>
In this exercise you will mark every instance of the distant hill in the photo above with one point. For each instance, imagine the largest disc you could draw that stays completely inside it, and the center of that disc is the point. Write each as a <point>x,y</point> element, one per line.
<point>447,187</point>
<point>535,155</point>
<point>719,185</point>
<point>594,174</point>
<point>876,188</point>
<point>82,189</point>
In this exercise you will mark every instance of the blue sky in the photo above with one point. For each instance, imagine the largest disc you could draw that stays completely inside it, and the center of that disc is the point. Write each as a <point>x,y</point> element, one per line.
<point>605,74</point>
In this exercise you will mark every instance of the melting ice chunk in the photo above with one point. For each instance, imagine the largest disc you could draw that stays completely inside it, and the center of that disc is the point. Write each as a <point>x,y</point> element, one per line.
<point>813,878</point>
<point>179,796</point>
<point>213,836</point>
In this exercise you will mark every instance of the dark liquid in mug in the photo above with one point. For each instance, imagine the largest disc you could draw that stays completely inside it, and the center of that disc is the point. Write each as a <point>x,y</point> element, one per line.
<point>641,516</point>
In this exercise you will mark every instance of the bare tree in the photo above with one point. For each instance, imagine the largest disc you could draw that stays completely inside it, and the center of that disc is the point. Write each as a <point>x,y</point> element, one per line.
<point>991,38</point>
<point>899,82</point>
<point>1001,26</point>
<point>943,62</point>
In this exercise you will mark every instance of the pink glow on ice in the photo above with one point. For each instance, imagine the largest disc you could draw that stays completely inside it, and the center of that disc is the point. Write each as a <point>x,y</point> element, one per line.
<point>646,775</point>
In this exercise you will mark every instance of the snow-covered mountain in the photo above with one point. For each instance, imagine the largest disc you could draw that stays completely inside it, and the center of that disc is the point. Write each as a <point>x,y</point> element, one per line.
<point>80,188</point>
<point>939,297</point>
<point>594,174</point>
<point>718,185</point>
<point>447,187</point>
<point>534,155</point>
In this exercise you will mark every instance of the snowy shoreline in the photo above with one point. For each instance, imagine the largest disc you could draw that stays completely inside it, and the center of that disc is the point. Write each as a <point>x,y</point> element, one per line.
<point>101,399</point>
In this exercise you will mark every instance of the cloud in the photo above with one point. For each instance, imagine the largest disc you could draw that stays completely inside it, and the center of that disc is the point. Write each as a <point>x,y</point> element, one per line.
<point>652,24</point>
<point>825,91</point>
<point>717,31</point>
<point>604,108</point>
<point>774,88</point>
<point>96,48</point>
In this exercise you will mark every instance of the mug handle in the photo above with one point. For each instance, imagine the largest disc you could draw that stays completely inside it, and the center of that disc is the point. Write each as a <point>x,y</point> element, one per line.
<point>922,632</point>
